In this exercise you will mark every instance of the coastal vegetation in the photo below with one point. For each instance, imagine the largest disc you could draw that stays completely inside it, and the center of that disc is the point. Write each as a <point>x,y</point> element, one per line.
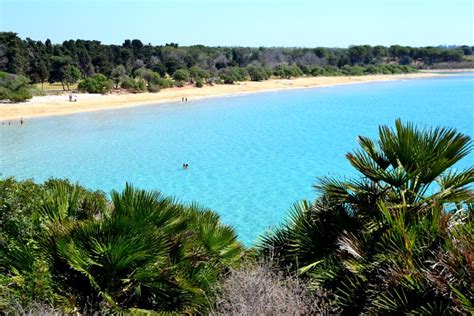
<point>68,247</point>
<point>139,67</point>
<point>395,240</point>
<point>14,87</point>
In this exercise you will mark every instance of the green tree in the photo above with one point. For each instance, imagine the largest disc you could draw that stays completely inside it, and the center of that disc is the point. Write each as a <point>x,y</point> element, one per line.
<point>147,74</point>
<point>181,76</point>
<point>70,74</point>
<point>63,71</point>
<point>39,71</point>
<point>197,73</point>
<point>118,74</point>
<point>153,79</point>
<point>13,54</point>
<point>83,59</point>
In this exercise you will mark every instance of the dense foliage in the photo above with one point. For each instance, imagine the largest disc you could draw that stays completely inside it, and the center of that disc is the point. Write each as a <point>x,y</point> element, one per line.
<point>75,59</point>
<point>97,83</point>
<point>14,87</point>
<point>72,248</point>
<point>398,240</point>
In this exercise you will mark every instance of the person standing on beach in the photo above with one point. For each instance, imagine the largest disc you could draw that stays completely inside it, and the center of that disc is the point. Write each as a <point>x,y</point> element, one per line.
<point>21,121</point>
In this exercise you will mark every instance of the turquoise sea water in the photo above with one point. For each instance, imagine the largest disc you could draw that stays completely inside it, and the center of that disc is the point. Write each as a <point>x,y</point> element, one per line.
<point>250,157</point>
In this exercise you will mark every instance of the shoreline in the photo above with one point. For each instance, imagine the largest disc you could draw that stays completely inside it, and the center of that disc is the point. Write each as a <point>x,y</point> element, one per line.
<point>59,105</point>
<point>446,70</point>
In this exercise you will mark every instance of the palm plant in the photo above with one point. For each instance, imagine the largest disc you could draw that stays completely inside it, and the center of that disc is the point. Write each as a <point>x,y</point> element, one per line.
<point>379,242</point>
<point>142,250</point>
<point>403,169</point>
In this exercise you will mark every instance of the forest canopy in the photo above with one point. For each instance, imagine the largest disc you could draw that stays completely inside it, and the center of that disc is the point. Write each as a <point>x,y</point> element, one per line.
<point>72,60</point>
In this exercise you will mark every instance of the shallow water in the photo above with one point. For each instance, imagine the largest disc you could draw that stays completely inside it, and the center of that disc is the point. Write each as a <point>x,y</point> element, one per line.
<point>250,157</point>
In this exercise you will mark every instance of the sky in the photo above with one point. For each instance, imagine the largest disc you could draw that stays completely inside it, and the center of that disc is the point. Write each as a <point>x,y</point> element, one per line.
<point>290,23</point>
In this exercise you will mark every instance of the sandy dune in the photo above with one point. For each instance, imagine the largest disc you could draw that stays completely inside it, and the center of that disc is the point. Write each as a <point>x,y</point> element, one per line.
<point>59,105</point>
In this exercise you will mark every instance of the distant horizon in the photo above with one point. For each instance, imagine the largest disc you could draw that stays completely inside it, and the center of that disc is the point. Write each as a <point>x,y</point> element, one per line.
<point>232,23</point>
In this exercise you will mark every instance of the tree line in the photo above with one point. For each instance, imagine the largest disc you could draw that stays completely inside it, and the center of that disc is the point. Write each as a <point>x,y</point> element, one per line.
<point>79,59</point>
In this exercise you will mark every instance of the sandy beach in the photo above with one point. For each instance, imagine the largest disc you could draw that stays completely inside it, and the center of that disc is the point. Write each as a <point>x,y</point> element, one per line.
<point>59,104</point>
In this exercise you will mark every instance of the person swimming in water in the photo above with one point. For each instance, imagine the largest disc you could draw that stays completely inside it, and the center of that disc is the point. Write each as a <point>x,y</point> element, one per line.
<point>185,166</point>
<point>21,121</point>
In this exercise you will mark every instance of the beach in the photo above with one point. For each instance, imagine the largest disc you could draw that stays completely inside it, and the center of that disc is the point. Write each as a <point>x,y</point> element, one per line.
<point>60,105</point>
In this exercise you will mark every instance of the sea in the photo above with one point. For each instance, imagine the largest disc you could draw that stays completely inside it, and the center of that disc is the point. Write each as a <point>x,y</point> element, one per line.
<point>250,157</point>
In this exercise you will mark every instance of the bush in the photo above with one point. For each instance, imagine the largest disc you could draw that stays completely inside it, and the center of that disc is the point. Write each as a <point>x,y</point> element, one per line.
<point>181,76</point>
<point>353,70</point>
<point>196,73</point>
<point>199,83</point>
<point>397,239</point>
<point>133,85</point>
<point>14,87</point>
<point>332,71</point>
<point>317,71</point>
<point>284,71</point>
<point>153,87</point>
<point>140,250</point>
<point>258,289</point>
<point>118,74</point>
<point>148,75</point>
<point>258,73</point>
<point>164,83</point>
<point>232,74</point>
<point>98,83</point>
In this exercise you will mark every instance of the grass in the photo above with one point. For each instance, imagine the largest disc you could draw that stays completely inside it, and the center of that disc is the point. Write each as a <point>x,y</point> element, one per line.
<point>469,57</point>
<point>54,86</point>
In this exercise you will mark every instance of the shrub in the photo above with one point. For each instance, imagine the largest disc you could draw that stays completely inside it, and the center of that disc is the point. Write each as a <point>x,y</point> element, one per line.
<point>196,73</point>
<point>148,75</point>
<point>332,71</point>
<point>14,87</point>
<point>164,83</point>
<point>118,74</point>
<point>398,239</point>
<point>284,71</point>
<point>258,73</point>
<point>199,83</point>
<point>258,289</point>
<point>181,76</point>
<point>138,250</point>
<point>133,85</point>
<point>98,83</point>
<point>153,87</point>
<point>232,74</point>
<point>353,70</point>
<point>317,71</point>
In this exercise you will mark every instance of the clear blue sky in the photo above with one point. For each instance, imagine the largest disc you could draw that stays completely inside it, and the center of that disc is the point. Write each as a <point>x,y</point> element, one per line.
<point>309,23</point>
